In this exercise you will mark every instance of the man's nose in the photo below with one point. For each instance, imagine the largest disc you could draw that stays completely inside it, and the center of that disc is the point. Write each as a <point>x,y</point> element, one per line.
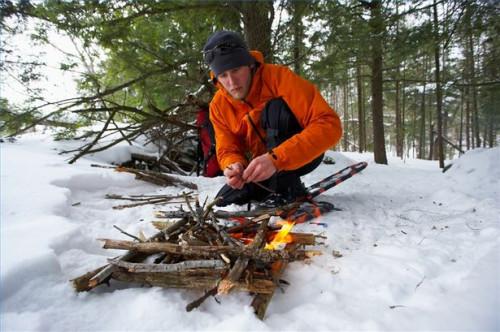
<point>231,79</point>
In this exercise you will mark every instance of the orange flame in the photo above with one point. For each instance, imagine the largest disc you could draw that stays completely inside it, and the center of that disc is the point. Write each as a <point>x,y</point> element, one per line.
<point>282,238</point>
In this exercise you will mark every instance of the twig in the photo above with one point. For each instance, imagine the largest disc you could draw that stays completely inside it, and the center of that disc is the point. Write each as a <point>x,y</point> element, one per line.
<point>227,239</point>
<point>128,234</point>
<point>198,302</point>
<point>195,215</point>
<point>420,283</point>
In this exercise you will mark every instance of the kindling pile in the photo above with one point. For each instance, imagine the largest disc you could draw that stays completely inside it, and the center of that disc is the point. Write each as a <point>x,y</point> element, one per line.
<point>202,251</point>
<point>216,251</point>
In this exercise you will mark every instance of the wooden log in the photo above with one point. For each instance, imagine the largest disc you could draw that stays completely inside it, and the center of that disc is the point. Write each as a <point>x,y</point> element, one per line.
<point>263,255</point>
<point>177,267</point>
<point>174,280</point>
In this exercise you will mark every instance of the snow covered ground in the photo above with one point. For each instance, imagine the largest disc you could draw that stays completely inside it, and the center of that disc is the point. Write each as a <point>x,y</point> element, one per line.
<point>420,249</point>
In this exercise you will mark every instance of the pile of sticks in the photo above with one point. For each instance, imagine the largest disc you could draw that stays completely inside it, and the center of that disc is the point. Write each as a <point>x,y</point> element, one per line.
<point>204,250</point>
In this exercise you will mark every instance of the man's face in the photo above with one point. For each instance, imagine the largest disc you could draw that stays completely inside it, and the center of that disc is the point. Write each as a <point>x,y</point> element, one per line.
<point>236,81</point>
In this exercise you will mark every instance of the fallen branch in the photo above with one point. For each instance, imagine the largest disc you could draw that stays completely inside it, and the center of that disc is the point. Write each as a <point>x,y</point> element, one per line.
<point>177,267</point>
<point>158,178</point>
<point>263,255</point>
<point>172,280</point>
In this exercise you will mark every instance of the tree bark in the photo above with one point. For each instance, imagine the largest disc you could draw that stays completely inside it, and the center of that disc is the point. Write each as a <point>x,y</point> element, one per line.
<point>399,122</point>
<point>421,145</point>
<point>298,8</point>
<point>361,110</point>
<point>266,256</point>
<point>345,112</point>
<point>377,29</point>
<point>201,282</point>
<point>472,71</point>
<point>257,19</point>
<point>439,93</point>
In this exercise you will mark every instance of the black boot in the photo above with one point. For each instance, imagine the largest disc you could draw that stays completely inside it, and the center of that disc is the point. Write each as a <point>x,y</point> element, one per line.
<point>289,189</point>
<point>249,192</point>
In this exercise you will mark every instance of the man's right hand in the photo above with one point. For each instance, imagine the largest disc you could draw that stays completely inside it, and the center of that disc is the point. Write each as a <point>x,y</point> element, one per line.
<point>234,175</point>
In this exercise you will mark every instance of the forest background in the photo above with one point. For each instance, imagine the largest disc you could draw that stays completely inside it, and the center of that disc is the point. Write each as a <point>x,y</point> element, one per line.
<point>418,79</point>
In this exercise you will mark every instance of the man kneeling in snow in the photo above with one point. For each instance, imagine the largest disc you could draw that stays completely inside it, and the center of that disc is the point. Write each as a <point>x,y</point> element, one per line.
<point>271,126</point>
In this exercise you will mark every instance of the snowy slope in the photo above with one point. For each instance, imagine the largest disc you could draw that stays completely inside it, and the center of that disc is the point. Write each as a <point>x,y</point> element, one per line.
<point>420,249</point>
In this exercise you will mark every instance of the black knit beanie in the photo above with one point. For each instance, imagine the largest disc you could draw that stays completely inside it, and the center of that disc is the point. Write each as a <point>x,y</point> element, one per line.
<point>226,50</point>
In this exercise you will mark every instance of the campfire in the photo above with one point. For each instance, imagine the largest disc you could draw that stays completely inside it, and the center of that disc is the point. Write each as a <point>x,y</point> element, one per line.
<point>215,252</point>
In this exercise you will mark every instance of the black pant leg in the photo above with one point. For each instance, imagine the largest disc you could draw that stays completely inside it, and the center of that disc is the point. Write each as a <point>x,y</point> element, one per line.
<point>280,124</point>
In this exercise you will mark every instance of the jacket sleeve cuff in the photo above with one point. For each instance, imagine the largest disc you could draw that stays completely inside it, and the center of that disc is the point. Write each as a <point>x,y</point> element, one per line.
<point>231,160</point>
<point>277,161</point>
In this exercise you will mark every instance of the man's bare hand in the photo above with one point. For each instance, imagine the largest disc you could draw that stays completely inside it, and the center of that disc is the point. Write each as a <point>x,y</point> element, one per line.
<point>234,175</point>
<point>259,169</point>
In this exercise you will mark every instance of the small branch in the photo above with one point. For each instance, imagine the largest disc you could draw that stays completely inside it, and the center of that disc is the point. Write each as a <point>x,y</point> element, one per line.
<point>420,283</point>
<point>128,234</point>
<point>157,177</point>
<point>198,302</point>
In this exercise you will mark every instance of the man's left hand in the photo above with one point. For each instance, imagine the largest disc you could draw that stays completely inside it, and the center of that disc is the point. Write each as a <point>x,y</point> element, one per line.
<point>259,169</point>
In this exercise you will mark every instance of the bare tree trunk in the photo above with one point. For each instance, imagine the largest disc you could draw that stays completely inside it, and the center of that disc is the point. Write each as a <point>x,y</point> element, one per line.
<point>399,129</point>
<point>439,93</point>
<point>361,110</point>
<point>444,109</point>
<point>423,112</point>
<point>257,17</point>
<point>399,134</point>
<point>346,117</point>
<point>421,144</point>
<point>431,142</point>
<point>475,111</point>
<point>413,135</point>
<point>377,30</point>
<point>403,116</point>
<point>467,118</point>
<point>461,132</point>
<point>491,133</point>
<point>298,8</point>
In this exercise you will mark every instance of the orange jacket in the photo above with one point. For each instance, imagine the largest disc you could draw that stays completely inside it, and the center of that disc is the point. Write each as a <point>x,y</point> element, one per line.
<point>235,137</point>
